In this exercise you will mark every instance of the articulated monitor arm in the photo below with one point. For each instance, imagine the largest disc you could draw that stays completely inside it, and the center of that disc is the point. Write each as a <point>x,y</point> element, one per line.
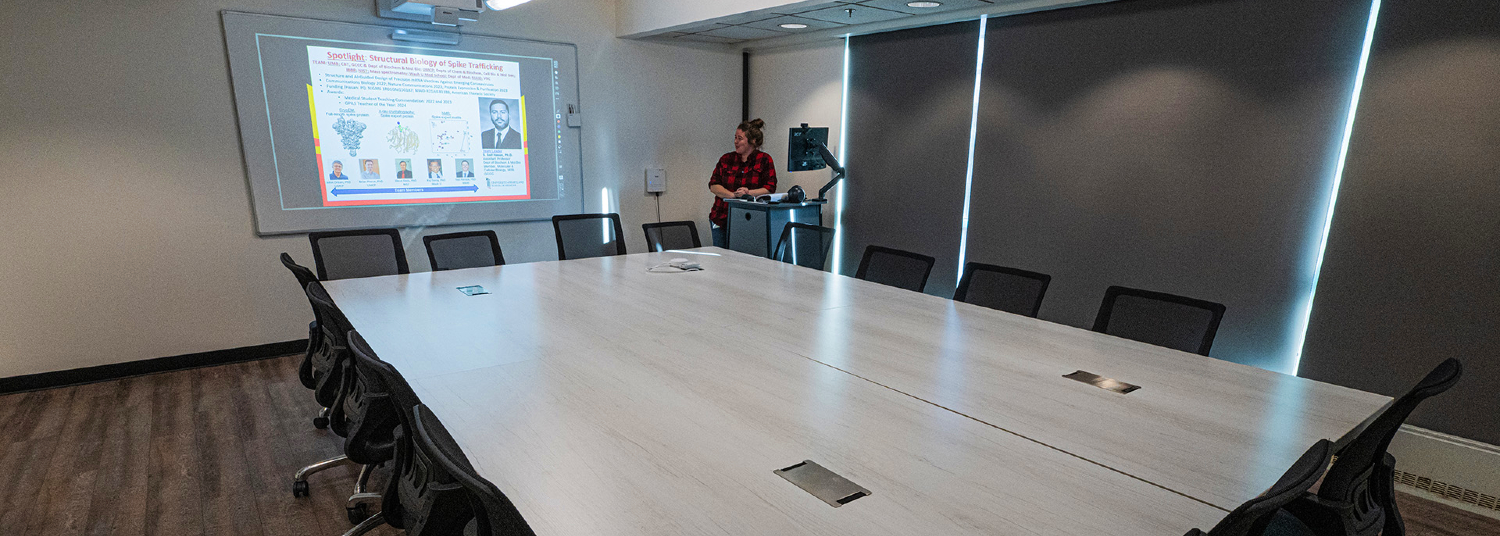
<point>833,163</point>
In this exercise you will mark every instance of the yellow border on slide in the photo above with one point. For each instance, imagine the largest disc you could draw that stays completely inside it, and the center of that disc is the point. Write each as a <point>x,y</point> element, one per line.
<point>524,149</point>
<point>314,111</point>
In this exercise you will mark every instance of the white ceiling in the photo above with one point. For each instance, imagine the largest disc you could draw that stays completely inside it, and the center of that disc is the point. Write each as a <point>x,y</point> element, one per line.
<point>766,23</point>
<point>839,17</point>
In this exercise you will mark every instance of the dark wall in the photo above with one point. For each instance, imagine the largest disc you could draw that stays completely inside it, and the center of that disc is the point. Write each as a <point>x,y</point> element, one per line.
<point>911,99</point>
<point>1189,146</point>
<point>1412,271</point>
<point>1183,146</point>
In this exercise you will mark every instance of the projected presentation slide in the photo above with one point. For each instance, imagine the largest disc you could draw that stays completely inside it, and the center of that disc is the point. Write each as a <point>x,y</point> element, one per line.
<point>345,126</point>
<point>411,128</point>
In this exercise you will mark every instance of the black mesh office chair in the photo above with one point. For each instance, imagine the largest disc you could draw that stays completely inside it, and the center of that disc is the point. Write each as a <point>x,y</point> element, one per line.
<point>1008,289</point>
<point>1176,322</point>
<point>315,340</point>
<point>1358,495</point>
<point>894,267</point>
<point>402,400</point>
<point>580,236</point>
<point>1256,515</point>
<point>359,253</point>
<point>423,497</point>
<point>328,367</point>
<point>671,235</point>
<point>493,513</point>
<point>371,419</point>
<point>331,374</point>
<point>470,249</point>
<point>805,245</point>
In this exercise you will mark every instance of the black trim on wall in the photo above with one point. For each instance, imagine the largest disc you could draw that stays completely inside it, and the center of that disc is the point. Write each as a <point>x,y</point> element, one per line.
<point>745,86</point>
<point>64,378</point>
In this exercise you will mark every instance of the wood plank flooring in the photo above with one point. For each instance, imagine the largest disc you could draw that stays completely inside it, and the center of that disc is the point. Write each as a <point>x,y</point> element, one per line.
<point>203,451</point>
<point>213,450</point>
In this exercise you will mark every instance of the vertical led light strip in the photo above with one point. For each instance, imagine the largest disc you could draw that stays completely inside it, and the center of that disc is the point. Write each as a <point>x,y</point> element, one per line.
<point>1338,178</point>
<point>963,237</point>
<point>838,208</point>
<point>791,216</point>
<point>604,208</point>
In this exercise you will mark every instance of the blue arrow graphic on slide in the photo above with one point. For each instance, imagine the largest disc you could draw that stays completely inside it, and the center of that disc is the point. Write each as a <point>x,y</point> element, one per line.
<point>353,191</point>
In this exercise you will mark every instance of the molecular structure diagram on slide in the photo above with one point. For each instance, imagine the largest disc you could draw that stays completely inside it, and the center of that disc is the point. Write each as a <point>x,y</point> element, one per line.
<point>449,136</point>
<point>350,132</point>
<point>403,139</point>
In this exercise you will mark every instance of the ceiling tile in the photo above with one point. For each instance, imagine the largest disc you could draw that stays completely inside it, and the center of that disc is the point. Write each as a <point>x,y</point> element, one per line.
<point>703,38</point>
<point>745,18</point>
<point>900,5</point>
<point>742,32</point>
<point>775,24</point>
<point>800,7</point>
<point>700,27</point>
<point>860,15</point>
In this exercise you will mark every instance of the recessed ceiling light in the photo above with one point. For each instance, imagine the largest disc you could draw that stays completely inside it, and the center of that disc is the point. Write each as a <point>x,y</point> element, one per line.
<point>793,25</point>
<point>923,4</point>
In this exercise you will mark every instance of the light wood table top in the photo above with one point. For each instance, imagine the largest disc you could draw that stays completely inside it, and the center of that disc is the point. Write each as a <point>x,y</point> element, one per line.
<point>608,400</point>
<point>1211,429</point>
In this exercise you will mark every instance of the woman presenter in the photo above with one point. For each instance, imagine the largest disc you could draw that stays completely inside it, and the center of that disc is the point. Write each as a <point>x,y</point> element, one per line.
<point>745,171</point>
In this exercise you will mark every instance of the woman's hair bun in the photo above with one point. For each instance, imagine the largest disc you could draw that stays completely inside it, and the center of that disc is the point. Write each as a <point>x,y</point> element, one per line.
<point>752,130</point>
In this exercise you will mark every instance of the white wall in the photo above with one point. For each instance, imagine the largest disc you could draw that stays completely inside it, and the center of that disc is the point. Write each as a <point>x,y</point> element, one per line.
<point>795,85</point>
<point>125,216</point>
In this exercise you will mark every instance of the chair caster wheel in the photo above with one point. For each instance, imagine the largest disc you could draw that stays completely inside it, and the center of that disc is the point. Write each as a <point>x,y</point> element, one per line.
<point>358,513</point>
<point>320,422</point>
<point>299,488</point>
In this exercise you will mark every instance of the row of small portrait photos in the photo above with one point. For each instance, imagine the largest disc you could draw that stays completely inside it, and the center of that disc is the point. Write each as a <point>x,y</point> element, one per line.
<point>370,169</point>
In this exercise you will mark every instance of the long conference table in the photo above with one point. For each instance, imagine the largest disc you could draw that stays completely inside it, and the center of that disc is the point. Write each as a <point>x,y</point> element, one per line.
<point>606,399</point>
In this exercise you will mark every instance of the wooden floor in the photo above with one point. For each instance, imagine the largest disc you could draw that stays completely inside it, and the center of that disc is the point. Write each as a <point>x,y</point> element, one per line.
<point>204,451</point>
<point>213,450</point>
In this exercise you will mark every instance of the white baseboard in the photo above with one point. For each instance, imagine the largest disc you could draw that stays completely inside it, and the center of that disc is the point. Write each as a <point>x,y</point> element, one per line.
<point>1449,469</point>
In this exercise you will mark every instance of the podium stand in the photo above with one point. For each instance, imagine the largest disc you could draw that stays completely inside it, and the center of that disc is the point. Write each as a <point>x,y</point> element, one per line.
<point>754,228</point>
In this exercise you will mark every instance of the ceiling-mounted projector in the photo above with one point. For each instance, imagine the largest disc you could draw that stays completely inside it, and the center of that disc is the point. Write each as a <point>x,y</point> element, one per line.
<point>440,12</point>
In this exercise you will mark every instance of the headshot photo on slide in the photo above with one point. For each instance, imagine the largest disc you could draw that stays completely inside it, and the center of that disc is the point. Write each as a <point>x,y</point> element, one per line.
<point>338,172</point>
<point>403,166</point>
<point>369,169</point>
<point>434,168</point>
<point>465,168</point>
<point>503,117</point>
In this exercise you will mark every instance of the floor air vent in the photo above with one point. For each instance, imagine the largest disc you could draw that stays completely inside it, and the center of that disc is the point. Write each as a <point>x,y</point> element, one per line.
<point>1464,495</point>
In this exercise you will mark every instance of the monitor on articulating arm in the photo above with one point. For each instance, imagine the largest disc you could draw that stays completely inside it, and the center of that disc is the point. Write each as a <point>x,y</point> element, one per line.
<point>807,150</point>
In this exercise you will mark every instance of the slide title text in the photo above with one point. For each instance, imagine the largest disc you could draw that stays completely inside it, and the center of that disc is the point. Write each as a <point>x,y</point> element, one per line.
<point>430,62</point>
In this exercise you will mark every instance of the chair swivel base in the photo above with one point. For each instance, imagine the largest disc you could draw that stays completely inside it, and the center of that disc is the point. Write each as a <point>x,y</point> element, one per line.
<point>299,482</point>
<point>367,525</point>
<point>321,421</point>
<point>358,504</point>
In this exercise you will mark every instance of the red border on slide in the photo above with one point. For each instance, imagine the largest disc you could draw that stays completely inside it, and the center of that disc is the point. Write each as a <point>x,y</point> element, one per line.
<point>322,178</point>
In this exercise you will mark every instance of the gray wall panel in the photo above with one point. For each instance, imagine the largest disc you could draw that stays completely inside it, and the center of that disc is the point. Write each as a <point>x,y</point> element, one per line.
<point>911,97</point>
<point>1174,145</point>
<point>1412,272</point>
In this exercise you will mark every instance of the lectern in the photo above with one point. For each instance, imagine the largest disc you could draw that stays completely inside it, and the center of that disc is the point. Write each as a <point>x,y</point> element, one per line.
<point>754,227</point>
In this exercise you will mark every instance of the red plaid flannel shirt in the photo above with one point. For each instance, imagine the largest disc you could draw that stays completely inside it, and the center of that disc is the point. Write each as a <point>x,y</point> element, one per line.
<point>757,171</point>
